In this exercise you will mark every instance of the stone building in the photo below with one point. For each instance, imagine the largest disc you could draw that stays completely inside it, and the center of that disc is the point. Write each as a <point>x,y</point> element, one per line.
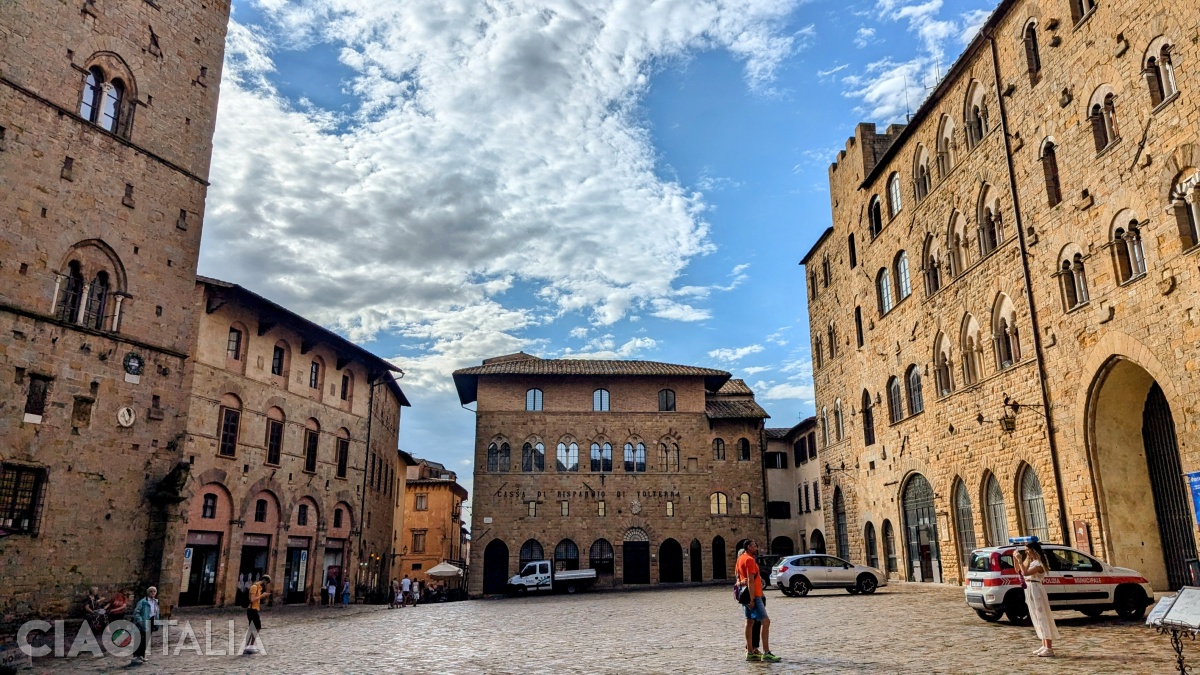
<point>432,519</point>
<point>291,448</point>
<point>106,124</point>
<point>795,523</point>
<point>1003,313</point>
<point>649,473</point>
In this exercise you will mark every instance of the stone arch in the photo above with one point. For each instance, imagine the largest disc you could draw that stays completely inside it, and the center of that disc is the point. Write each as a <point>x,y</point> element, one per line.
<point>1186,157</point>
<point>261,485</point>
<point>1111,416</point>
<point>495,566</point>
<point>274,512</point>
<point>94,254</point>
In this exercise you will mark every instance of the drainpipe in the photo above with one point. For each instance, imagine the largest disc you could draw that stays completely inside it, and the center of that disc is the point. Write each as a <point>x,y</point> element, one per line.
<point>1033,318</point>
<point>362,508</point>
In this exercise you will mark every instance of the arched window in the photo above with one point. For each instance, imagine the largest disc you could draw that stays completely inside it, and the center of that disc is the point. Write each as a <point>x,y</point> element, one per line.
<point>261,510</point>
<point>1033,60</point>
<point>818,354</point>
<point>280,359</point>
<point>718,449</point>
<point>991,226</point>
<point>531,550</point>
<point>825,427</point>
<point>343,452</point>
<point>872,545</point>
<point>868,420</point>
<point>493,457</point>
<point>666,401</point>
<point>831,334</point>
<point>1073,280</point>
<point>889,548</point>
<point>744,503</point>
<point>826,271</point>
<point>942,372</point>
<point>916,400</point>
<point>1127,251</point>
<point>347,390</point>
<point>97,301</point>
<point>921,183</point>
<point>567,457</point>
<point>533,400</point>
<point>1160,73</point>
<point>838,430</point>
<point>895,400</point>
<point>566,556</point>
<point>600,558</point>
<point>743,448</point>
<point>70,293</point>
<point>883,289</point>
<point>1004,333</point>
<point>894,204</point>
<point>956,245</point>
<point>230,420</point>
<point>965,522</point>
<point>602,457</point>
<point>104,101</point>
<point>1102,113</point>
<point>903,284</point>
<point>976,115</point>
<point>1050,170</point>
<point>274,440</point>
<point>997,519</point>
<point>312,437</point>
<point>946,147</point>
<point>931,265</point>
<point>852,251</point>
<point>718,504</point>
<point>600,400</point>
<point>858,326</point>
<point>874,217</point>
<point>971,348</point>
<point>1033,507</point>
<point>1185,202</point>
<point>635,458</point>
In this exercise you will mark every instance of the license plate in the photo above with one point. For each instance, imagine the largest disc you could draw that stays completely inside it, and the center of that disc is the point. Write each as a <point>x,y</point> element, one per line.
<point>976,584</point>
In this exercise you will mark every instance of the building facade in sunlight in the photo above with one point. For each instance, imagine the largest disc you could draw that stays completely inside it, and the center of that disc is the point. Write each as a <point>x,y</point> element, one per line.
<point>793,471</point>
<point>649,473</point>
<point>106,122</point>
<point>1003,315</point>
<point>433,527</point>
<point>293,467</point>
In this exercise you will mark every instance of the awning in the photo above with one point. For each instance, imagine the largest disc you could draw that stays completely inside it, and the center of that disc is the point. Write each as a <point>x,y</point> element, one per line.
<point>444,569</point>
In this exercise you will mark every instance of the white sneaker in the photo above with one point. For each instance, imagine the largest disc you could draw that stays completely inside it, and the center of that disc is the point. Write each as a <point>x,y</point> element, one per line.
<point>1046,652</point>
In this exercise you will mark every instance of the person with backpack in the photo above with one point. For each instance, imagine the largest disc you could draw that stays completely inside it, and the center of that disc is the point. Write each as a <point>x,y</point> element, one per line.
<point>756,609</point>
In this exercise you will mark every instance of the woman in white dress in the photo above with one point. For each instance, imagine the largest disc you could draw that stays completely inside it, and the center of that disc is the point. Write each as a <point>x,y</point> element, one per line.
<point>1031,563</point>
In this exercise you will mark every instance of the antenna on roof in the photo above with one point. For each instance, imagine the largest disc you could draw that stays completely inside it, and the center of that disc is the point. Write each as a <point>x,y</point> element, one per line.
<point>907,108</point>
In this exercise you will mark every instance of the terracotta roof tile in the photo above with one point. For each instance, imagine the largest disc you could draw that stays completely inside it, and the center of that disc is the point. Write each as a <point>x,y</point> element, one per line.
<point>722,409</point>
<point>734,387</point>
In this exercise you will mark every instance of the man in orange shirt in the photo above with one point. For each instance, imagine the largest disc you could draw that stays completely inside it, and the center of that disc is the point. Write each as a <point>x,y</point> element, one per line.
<point>756,611</point>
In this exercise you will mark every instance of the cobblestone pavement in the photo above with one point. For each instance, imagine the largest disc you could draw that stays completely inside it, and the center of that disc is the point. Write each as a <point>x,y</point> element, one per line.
<point>902,628</point>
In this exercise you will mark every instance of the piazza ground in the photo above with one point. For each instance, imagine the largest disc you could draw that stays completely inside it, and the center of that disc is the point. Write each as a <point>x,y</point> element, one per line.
<point>902,628</point>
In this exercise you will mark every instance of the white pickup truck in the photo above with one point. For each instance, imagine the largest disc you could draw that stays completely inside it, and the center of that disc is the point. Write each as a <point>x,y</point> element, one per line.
<point>540,575</point>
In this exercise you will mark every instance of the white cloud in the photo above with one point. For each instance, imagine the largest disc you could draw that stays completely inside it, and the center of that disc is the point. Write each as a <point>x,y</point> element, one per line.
<point>605,348</point>
<point>895,85</point>
<point>831,71</point>
<point>770,391</point>
<point>777,337</point>
<point>864,37</point>
<point>579,332</point>
<point>488,134</point>
<point>754,370</point>
<point>729,355</point>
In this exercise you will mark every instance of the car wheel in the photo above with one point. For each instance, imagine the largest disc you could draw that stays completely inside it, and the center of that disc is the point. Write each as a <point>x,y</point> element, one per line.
<point>990,617</point>
<point>1091,611</point>
<point>521,590</point>
<point>800,587</point>
<point>1015,608</point>
<point>867,584</point>
<point>786,591</point>
<point>853,590</point>
<point>1130,602</point>
<point>571,589</point>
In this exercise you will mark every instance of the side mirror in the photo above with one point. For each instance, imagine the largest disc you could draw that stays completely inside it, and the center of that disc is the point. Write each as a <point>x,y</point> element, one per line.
<point>847,566</point>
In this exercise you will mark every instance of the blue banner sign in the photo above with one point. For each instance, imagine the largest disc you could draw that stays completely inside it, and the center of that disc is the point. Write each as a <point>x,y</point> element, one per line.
<point>1193,480</point>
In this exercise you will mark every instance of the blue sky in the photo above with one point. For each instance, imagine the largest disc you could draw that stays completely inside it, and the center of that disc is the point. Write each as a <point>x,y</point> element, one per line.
<point>448,180</point>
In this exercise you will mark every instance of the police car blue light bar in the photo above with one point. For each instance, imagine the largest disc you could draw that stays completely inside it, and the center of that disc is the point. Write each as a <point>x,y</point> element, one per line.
<point>1021,541</point>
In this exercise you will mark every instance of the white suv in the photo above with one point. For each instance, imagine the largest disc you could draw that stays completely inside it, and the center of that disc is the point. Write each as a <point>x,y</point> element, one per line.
<point>1075,581</point>
<point>797,575</point>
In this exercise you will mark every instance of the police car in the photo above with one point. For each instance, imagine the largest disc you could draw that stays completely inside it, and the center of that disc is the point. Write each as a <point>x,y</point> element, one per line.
<point>1074,581</point>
